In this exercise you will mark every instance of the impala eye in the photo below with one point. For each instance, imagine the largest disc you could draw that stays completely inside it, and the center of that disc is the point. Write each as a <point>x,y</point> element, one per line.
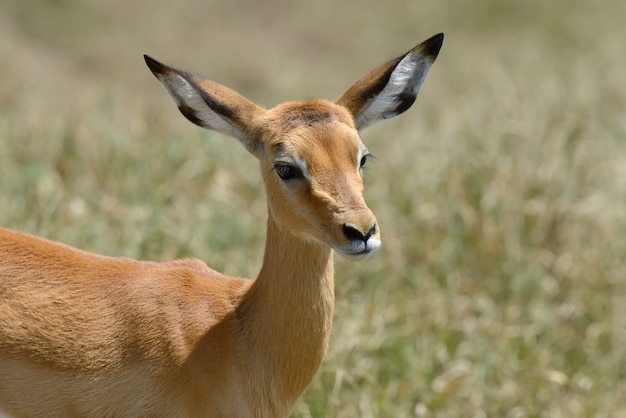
<point>364,160</point>
<point>288,172</point>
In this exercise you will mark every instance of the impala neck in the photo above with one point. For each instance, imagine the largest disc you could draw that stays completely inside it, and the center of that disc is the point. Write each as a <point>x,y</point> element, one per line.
<point>288,311</point>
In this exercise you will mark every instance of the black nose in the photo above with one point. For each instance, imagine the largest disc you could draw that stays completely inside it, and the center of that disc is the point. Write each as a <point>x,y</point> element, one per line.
<point>353,234</point>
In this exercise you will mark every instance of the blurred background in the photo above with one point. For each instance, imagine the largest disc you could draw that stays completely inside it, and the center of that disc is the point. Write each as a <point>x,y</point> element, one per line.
<point>500,289</point>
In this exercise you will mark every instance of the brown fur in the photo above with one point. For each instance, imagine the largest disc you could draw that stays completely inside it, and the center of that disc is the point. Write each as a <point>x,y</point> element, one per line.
<point>87,335</point>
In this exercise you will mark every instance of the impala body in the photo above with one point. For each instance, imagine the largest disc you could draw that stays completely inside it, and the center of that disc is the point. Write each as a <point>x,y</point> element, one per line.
<point>93,336</point>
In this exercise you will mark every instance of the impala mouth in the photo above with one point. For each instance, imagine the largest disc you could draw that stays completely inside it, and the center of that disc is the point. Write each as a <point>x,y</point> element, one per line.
<point>358,250</point>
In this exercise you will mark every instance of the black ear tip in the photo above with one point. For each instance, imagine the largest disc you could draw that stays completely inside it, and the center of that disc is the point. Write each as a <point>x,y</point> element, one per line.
<point>432,46</point>
<point>155,66</point>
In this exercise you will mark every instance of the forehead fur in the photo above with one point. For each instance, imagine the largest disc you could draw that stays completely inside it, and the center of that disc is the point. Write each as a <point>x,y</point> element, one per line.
<point>301,116</point>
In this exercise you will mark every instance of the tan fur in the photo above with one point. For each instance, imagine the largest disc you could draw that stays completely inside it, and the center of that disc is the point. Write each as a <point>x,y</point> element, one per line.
<point>88,335</point>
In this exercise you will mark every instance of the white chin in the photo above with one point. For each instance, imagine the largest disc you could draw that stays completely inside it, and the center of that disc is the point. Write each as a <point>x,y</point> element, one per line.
<point>360,252</point>
<point>355,256</point>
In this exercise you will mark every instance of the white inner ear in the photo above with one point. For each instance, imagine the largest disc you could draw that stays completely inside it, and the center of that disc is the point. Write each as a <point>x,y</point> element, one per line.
<point>408,76</point>
<point>183,93</point>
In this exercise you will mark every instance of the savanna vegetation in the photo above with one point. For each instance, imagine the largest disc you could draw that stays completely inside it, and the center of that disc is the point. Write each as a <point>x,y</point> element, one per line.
<point>500,289</point>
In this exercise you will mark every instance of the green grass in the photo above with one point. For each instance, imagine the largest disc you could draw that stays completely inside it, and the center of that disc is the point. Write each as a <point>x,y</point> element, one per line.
<point>500,289</point>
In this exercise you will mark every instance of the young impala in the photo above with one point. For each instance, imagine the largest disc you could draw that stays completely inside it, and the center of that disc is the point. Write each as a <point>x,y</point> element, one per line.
<point>87,335</point>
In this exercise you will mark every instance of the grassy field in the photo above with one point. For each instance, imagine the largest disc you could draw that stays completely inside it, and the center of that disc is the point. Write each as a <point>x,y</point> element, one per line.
<point>500,289</point>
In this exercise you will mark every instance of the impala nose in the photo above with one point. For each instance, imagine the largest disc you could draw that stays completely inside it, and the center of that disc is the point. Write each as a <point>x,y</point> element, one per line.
<point>353,233</point>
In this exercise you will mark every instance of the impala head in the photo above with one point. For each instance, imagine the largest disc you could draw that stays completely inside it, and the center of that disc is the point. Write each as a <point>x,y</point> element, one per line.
<point>310,152</point>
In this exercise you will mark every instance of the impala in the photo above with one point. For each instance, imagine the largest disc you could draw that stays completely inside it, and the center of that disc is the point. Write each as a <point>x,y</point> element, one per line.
<point>88,335</point>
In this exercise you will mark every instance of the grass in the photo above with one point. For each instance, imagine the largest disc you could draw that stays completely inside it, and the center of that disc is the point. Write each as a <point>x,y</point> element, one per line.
<point>500,288</point>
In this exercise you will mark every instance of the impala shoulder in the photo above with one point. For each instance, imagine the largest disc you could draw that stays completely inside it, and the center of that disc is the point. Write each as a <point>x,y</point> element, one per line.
<point>197,267</point>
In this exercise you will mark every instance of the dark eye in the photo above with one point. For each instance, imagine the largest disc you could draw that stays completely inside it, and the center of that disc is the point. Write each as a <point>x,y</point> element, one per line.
<point>287,172</point>
<point>364,160</point>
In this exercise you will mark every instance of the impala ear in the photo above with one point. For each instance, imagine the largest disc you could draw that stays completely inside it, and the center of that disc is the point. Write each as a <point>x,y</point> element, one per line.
<point>391,89</point>
<point>210,105</point>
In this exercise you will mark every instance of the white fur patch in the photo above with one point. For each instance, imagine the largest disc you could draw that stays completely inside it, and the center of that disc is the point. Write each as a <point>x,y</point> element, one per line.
<point>183,93</point>
<point>407,77</point>
<point>303,168</point>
